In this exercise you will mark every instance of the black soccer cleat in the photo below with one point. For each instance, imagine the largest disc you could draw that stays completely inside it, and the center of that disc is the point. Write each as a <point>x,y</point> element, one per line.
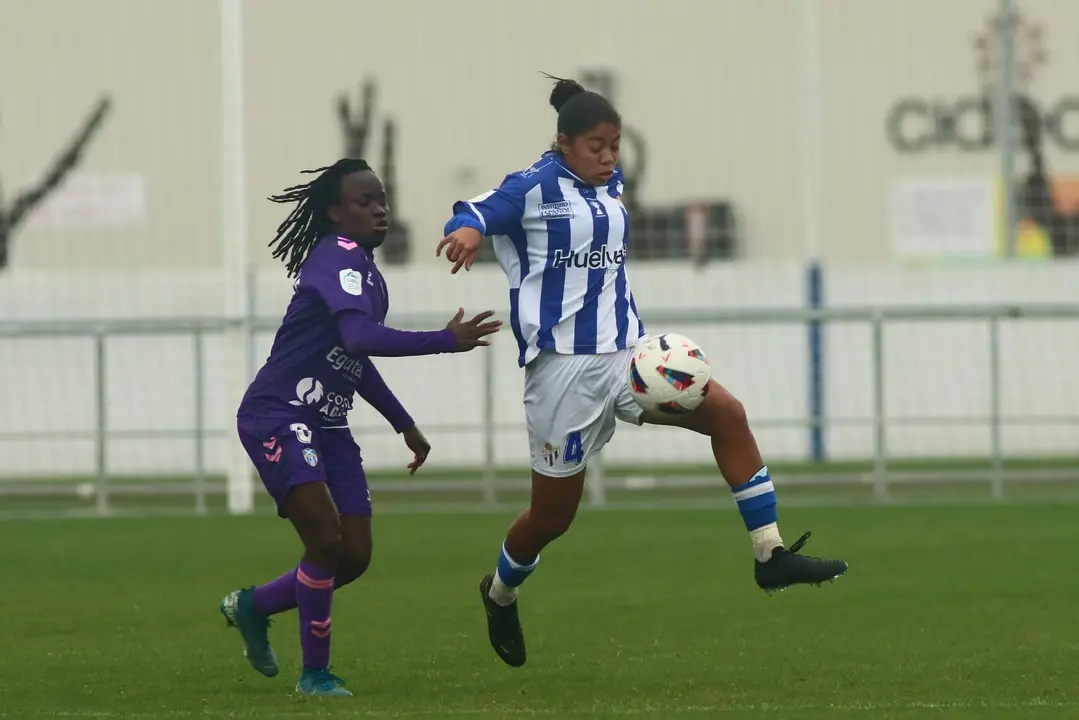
<point>786,567</point>
<point>503,627</point>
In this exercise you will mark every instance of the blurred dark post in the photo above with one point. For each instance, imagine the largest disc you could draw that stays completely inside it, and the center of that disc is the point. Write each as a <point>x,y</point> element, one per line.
<point>604,82</point>
<point>13,216</point>
<point>356,128</point>
<point>398,240</point>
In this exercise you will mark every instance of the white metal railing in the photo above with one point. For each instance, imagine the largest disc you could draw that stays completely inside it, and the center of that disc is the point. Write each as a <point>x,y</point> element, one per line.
<point>105,487</point>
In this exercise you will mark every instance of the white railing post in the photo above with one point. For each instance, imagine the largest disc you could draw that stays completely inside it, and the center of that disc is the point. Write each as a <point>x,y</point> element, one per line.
<point>996,449</point>
<point>880,444</point>
<point>200,422</point>
<point>234,242</point>
<point>101,434</point>
<point>1004,115</point>
<point>490,492</point>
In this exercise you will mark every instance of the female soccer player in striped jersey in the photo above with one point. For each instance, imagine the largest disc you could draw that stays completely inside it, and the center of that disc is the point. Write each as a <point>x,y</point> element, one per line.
<point>293,419</point>
<point>560,233</point>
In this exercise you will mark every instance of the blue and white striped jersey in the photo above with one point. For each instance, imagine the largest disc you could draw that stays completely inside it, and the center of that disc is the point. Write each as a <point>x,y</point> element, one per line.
<point>563,245</point>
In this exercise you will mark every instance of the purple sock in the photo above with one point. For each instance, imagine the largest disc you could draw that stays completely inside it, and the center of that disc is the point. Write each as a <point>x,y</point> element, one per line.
<point>276,596</point>
<point>314,597</point>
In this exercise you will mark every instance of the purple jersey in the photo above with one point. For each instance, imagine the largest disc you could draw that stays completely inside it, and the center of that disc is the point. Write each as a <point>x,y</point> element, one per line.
<point>319,358</point>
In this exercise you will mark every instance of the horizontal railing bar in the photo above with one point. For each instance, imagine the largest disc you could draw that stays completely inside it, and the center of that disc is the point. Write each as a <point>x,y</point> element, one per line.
<point>171,326</point>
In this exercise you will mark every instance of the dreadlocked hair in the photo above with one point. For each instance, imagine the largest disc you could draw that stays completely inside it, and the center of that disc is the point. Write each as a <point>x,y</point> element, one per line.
<point>309,220</point>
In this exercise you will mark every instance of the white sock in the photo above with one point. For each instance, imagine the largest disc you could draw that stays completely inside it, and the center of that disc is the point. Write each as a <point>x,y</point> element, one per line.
<point>502,593</point>
<point>765,540</point>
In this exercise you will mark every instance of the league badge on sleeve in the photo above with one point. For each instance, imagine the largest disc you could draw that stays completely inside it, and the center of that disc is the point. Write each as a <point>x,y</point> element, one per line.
<point>310,456</point>
<point>351,281</point>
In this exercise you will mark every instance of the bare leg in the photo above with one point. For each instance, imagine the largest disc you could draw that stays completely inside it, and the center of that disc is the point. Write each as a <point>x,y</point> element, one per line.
<point>549,515</point>
<point>722,418</point>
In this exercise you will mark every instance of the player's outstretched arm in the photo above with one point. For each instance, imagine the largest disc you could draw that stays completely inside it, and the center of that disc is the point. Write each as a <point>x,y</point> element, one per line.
<point>471,334</point>
<point>497,212</point>
<point>462,248</point>
<point>363,335</point>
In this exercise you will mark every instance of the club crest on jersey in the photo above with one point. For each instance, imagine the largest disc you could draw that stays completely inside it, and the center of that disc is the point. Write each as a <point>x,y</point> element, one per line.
<point>310,456</point>
<point>556,211</point>
<point>351,281</point>
<point>550,454</point>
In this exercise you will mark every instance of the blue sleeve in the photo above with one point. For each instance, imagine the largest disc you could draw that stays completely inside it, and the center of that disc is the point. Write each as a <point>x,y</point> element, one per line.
<point>497,212</point>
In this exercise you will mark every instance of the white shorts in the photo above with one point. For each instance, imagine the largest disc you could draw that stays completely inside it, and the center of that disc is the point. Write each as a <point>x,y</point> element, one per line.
<point>571,404</point>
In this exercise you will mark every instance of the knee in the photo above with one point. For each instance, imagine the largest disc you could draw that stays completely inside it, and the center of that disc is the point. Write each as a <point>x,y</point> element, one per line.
<point>727,414</point>
<point>552,523</point>
<point>352,564</point>
<point>734,414</point>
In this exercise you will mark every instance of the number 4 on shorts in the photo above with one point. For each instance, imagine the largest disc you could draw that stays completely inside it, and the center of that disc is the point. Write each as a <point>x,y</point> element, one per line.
<point>574,452</point>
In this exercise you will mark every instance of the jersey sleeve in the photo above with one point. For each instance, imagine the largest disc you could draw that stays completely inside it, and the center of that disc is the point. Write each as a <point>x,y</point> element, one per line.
<point>364,335</point>
<point>378,395</point>
<point>337,275</point>
<point>496,212</point>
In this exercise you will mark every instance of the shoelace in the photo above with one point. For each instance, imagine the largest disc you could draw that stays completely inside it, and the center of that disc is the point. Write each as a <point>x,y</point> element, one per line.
<point>799,543</point>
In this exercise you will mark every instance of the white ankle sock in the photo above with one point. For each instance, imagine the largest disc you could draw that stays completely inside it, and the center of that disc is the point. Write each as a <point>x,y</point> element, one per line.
<point>502,593</point>
<point>765,540</point>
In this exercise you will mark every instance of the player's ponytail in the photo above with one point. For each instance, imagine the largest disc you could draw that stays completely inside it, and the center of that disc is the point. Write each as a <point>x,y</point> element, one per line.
<point>564,89</point>
<point>579,110</point>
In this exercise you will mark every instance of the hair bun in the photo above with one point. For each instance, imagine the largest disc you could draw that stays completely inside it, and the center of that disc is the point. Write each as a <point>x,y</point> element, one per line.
<point>563,90</point>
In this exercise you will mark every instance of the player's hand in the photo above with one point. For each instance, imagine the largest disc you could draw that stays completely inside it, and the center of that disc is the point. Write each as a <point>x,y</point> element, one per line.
<point>470,334</point>
<point>462,248</point>
<point>419,446</point>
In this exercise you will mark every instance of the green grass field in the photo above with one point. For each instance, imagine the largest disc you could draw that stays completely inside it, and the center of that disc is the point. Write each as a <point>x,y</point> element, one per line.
<point>956,612</point>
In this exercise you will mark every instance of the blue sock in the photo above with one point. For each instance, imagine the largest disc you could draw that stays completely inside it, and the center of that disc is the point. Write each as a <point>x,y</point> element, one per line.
<point>508,577</point>
<point>757,503</point>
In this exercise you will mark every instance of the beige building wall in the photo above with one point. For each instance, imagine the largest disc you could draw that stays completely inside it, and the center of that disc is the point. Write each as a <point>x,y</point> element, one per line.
<point>715,85</point>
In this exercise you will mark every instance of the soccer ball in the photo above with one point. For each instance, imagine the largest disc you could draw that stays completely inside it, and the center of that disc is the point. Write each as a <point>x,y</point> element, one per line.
<point>669,374</point>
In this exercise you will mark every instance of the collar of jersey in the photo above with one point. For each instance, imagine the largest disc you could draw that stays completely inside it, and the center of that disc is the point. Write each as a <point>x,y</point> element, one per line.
<point>565,167</point>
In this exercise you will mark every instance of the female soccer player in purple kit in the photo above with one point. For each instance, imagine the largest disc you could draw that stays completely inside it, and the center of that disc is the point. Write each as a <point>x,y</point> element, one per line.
<point>293,419</point>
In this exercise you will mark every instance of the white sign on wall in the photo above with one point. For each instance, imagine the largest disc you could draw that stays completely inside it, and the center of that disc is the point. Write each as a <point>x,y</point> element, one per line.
<point>942,217</point>
<point>93,201</point>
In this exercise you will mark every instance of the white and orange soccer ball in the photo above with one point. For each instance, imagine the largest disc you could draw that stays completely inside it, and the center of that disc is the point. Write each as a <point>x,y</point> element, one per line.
<point>669,374</point>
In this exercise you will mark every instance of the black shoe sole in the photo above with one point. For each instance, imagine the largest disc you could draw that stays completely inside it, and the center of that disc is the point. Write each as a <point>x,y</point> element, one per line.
<point>485,589</point>
<point>772,589</point>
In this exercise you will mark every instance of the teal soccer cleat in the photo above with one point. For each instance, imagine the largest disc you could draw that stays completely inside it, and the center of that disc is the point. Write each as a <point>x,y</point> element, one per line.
<point>239,612</point>
<point>321,683</point>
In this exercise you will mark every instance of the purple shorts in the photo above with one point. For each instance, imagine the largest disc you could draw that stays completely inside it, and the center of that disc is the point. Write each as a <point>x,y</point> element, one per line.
<point>293,454</point>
